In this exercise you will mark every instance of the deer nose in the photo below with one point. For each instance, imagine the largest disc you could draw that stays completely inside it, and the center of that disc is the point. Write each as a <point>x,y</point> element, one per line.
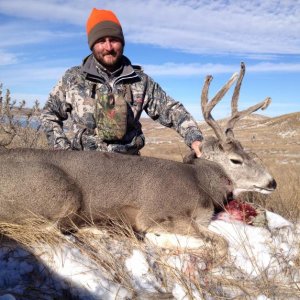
<point>229,196</point>
<point>272,184</point>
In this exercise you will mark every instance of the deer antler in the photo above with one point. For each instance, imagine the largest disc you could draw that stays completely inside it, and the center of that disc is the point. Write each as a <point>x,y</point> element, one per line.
<point>208,106</point>
<point>237,115</point>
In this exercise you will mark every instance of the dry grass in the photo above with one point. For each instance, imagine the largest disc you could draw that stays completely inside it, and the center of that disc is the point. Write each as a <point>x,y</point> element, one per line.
<point>108,247</point>
<point>19,126</point>
<point>285,200</point>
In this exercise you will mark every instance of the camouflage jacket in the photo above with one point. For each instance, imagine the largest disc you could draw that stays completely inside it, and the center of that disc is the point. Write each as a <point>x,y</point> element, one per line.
<point>89,103</point>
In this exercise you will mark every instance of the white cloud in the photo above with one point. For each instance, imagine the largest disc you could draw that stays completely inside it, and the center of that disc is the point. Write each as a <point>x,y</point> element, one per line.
<point>72,12</point>
<point>210,27</point>
<point>214,26</point>
<point>23,33</point>
<point>32,74</point>
<point>256,30</point>
<point>7,58</point>
<point>37,78</point>
<point>275,67</point>
<point>172,69</point>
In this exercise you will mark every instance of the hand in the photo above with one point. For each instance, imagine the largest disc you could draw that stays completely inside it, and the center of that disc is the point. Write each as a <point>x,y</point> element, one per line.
<point>196,146</point>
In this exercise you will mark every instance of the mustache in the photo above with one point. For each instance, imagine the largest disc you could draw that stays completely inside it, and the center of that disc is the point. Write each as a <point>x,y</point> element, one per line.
<point>111,52</point>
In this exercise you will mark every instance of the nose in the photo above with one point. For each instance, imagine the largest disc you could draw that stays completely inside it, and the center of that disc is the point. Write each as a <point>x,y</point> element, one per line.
<point>107,45</point>
<point>272,184</point>
<point>230,196</point>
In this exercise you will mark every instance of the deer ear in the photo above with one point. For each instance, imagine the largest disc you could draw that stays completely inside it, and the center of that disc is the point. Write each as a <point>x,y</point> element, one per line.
<point>189,158</point>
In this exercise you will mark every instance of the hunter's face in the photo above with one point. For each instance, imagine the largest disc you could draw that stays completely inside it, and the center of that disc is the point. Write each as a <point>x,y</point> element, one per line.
<point>108,51</point>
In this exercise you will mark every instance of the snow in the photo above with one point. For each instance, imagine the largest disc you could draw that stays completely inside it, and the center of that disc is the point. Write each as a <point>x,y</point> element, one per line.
<point>69,263</point>
<point>276,221</point>
<point>250,247</point>
<point>168,240</point>
<point>139,269</point>
<point>66,270</point>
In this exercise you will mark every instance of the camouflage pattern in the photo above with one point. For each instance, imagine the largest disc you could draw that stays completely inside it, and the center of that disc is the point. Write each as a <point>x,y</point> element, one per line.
<point>79,113</point>
<point>110,116</point>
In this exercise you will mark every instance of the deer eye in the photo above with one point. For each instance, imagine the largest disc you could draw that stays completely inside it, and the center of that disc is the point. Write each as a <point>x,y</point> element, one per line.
<point>236,161</point>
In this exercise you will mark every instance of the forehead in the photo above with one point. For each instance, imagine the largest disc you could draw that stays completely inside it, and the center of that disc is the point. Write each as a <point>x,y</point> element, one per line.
<point>108,38</point>
<point>236,147</point>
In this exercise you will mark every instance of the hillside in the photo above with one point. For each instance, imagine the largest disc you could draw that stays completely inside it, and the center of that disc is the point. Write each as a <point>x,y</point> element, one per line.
<point>275,138</point>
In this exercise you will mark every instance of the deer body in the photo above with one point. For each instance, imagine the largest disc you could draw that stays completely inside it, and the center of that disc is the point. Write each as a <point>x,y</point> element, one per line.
<point>94,185</point>
<point>152,195</point>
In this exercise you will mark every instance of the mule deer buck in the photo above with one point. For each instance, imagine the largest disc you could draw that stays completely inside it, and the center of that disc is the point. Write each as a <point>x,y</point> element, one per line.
<point>244,168</point>
<point>152,195</point>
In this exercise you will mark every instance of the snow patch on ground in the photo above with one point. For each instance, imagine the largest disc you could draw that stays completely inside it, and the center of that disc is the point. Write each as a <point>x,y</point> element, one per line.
<point>67,271</point>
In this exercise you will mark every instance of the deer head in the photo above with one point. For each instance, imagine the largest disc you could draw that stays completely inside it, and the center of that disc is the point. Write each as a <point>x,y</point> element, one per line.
<point>244,168</point>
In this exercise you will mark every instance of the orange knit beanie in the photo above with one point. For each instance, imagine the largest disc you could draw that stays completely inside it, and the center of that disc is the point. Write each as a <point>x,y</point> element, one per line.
<point>102,23</point>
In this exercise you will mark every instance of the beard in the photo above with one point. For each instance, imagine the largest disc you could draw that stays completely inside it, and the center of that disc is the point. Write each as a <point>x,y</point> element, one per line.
<point>109,59</point>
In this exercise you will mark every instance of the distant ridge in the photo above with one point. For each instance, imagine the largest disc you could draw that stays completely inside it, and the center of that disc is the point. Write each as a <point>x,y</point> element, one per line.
<point>293,119</point>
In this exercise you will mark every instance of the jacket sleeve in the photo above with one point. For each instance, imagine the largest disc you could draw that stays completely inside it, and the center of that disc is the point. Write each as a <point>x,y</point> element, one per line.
<point>170,113</point>
<point>54,113</point>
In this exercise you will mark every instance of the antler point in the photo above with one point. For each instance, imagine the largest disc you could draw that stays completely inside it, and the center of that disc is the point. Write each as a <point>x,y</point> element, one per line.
<point>266,103</point>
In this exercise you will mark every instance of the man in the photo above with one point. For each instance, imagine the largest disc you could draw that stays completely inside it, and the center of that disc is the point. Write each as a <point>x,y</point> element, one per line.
<point>101,101</point>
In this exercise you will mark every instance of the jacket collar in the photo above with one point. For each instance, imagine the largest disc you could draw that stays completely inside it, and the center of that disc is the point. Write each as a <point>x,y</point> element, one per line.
<point>94,71</point>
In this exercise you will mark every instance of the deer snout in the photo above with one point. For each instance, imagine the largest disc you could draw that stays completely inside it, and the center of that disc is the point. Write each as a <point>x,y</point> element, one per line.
<point>267,188</point>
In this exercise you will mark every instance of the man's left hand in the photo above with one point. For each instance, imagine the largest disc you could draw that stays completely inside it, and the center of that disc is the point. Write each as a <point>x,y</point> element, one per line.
<point>196,146</point>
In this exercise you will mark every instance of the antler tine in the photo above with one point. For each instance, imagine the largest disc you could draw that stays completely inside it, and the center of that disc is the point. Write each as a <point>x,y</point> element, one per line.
<point>237,115</point>
<point>208,106</point>
<point>236,93</point>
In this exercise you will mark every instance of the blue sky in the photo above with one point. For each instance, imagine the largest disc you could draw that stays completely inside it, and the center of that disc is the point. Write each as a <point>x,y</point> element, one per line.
<point>177,42</point>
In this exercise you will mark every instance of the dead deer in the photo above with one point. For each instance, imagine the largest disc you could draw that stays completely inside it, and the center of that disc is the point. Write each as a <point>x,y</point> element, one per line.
<point>152,195</point>
<point>243,167</point>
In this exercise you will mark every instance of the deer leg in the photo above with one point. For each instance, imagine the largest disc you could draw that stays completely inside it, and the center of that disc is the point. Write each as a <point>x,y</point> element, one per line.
<point>199,249</point>
<point>183,233</point>
<point>201,242</point>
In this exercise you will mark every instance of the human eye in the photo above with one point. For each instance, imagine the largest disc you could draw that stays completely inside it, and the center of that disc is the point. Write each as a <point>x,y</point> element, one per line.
<point>114,40</point>
<point>101,41</point>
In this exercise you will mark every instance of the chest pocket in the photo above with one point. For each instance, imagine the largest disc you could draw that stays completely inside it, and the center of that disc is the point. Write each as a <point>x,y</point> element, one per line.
<point>110,116</point>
